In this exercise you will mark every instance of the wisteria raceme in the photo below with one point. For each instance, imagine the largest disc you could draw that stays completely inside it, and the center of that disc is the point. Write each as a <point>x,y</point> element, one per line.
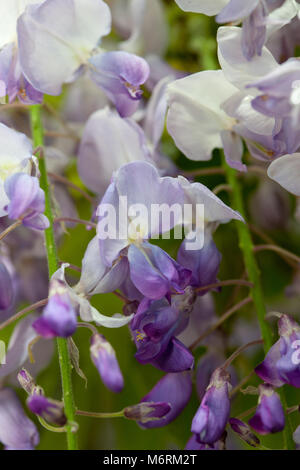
<point>149,211</point>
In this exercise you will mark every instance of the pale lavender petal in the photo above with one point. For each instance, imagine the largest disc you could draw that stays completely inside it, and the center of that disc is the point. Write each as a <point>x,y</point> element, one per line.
<point>236,10</point>
<point>17,432</point>
<point>286,171</point>
<point>63,46</point>
<point>107,143</point>
<point>120,74</point>
<point>233,150</point>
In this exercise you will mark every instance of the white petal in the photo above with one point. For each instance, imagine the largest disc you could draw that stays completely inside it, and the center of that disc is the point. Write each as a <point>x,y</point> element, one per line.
<point>237,69</point>
<point>286,172</point>
<point>89,313</point>
<point>13,146</point>
<point>240,107</point>
<point>115,321</point>
<point>195,118</point>
<point>92,269</point>
<point>86,310</point>
<point>208,7</point>
<point>10,10</point>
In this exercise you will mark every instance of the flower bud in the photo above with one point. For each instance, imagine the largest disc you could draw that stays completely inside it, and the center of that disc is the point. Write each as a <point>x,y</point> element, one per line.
<point>211,418</point>
<point>281,364</point>
<point>50,410</point>
<point>26,381</point>
<point>244,432</point>
<point>59,317</point>
<point>269,416</point>
<point>26,200</point>
<point>147,411</point>
<point>104,358</point>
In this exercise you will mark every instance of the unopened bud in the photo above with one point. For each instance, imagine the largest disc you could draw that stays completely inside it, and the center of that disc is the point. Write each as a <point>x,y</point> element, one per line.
<point>59,317</point>
<point>244,432</point>
<point>26,381</point>
<point>147,411</point>
<point>50,410</point>
<point>104,357</point>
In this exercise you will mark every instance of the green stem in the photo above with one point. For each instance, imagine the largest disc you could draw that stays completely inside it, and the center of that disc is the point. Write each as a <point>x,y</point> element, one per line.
<point>247,247</point>
<point>63,354</point>
<point>92,414</point>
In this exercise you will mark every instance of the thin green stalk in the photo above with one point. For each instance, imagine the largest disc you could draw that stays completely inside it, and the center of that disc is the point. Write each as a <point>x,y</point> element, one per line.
<point>63,353</point>
<point>92,414</point>
<point>247,247</point>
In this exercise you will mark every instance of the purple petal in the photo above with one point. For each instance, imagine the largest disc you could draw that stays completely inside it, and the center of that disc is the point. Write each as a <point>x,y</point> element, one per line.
<point>176,358</point>
<point>269,415</point>
<point>212,416</point>
<point>104,358</point>
<point>59,317</point>
<point>154,272</point>
<point>176,389</point>
<point>203,263</point>
<point>50,410</point>
<point>267,370</point>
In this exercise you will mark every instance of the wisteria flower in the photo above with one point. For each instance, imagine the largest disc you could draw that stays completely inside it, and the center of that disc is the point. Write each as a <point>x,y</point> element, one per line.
<point>269,416</point>
<point>107,143</point>
<point>72,41</point>
<point>134,216</point>
<point>211,418</point>
<point>26,201</point>
<point>15,155</point>
<point>96,278</point>
<point>14,84</point>
<point>281,364</point>
<point>155,327</point>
